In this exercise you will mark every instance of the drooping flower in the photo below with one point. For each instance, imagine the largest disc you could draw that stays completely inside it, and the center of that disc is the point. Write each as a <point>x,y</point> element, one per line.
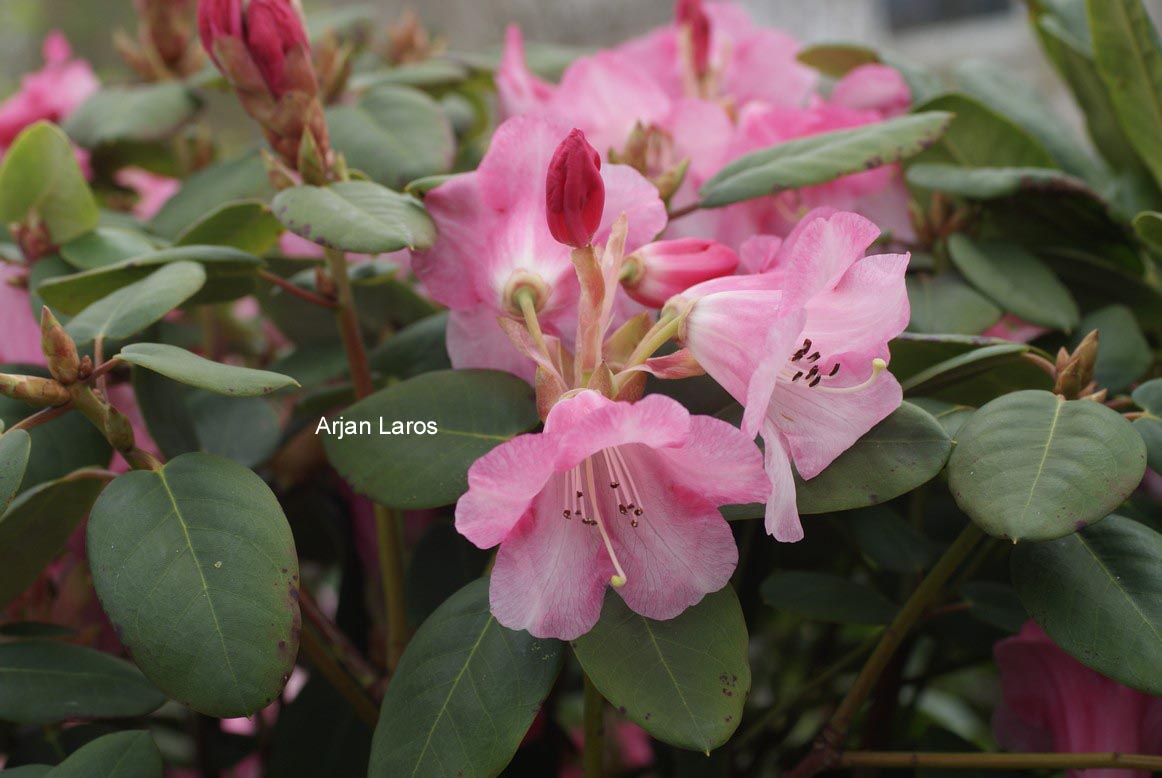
<point>1052,702</point>
<point>574,191</point>
<point>494,238</point>
<point>658,271</point>
<point>811,376</point>
<point>50,94</point>
<point>609,493</point>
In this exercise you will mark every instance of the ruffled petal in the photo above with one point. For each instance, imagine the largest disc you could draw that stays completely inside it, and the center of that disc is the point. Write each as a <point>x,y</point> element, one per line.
<point>718,463</point>
<point>655,421</point>
<point>501,487</point>
<point>781,518</point>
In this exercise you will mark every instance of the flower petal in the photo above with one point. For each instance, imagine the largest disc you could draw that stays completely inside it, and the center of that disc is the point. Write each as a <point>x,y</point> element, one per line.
<point>782,513</point>
<point>656,421</point>
<point>501,486</point>
<point>718,463</point>
<point>475,340</point>
<point>821,252</point>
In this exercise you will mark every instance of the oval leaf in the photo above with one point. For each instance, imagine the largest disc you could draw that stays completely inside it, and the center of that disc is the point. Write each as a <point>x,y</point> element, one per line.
<point>222,182</point>
<point>1015,280</point>
<point>823,157</point>
<point>46,682</point>
<point>1149,426</point>
<point>945,304</point>
<point>15,448</point>
<point>131,754</point>
<point>40,177</point>
<point>189,368</point>
<point>355,216</point>
<point>1098,593</point>
<point>247,226</point>
<point>901,452</point>
<point>1124,354</point>
<point>105,246</point>
<point>685,680</point>
<point>132,113</point>
<point>1031,466</point>
<point>464,694</point>
<point>195,565</point>
<point>826,597</point>
<point>473,411</point>
<point>132,308</point>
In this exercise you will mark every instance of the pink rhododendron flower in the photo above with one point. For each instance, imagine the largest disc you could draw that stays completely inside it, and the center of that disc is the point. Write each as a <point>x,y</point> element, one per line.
<point>19,330</point>
<point>658,271</point>
<point>494,238</point>
<point>609,492</point>
<point>1015,329</point>
<point>51,93</point>
<point>808,369</point>
<point>1052,702</point>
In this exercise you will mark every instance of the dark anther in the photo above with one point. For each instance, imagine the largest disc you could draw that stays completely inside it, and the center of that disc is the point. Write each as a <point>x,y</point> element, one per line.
<point>816,380</point>
<point>568,514</point>
<point>797,376</point>
<point>633,522</point>
<point>812,373</point>
<point>623,509</point>
<point>614,485</point>
<point>579,495</point>
<point>814,357</point>
<point>834,370</point>
<point>637,512</point>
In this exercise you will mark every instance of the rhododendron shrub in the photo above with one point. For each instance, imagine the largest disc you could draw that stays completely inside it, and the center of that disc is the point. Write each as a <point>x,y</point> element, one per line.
<point>719,404</point>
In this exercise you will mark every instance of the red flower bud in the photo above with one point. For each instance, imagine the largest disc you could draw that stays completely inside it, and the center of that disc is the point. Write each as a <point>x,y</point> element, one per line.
<point>268,29</point>
<point>690,14</point>
<point>657,272</point>
<point>575,192</point>
<point>218,19</point>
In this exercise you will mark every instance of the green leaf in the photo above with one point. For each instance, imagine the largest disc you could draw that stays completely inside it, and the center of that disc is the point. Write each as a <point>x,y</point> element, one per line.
<point>418,348</point>
<point>47,682</point>
<point>473,410</point>
<point>685,680</point>
<point>133,308</point>
<point>37,524</point>
<point>189,368</point>
<point>823,157</point>
<point>223,182</point>
<point>1148,225</point>
<point>889,540</point>
<point>464,694</point>
<point>826,597</point>
<point>1032,466</point>
<point>421,186</point>
<point>247,225</point>
<point>950,415</point>
<point>244,429</point>
<point>1016,280</point>
<point>15,448</point>
<point>393,134</point>
<point>230,274</point>
<point>1098,593</point>
<point>989,183</point>
<point>965,366</point>
<point>130,754</point>
<point>442,562</point>
<point>1126,50</point>
<point>195,565</point>
<point>426,74</point>
<point>996,604</point>
<point>1124,354</point>
<point>944,303</point>
<point>357,216</point>
<point>903,451</point>
<point>40,178</point>
<point>981,137</point>
<point>105,246</point>
<point>1149,397</point>
<point>837,59</point>
<point>162,403</point>
<point>149,112</point>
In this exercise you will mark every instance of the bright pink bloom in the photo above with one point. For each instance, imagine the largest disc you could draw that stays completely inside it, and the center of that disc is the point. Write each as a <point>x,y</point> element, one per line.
<point>493,234</point>
<point>19,329</point>
<point>609,492</point>
<point>808,365</point>
<point>660,270</point>
<point>1052,702</point>
<point>50,94</point>
<point>574,191</point>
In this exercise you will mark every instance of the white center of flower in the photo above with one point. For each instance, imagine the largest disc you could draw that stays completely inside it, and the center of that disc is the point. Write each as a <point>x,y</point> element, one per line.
<point>583,498</point>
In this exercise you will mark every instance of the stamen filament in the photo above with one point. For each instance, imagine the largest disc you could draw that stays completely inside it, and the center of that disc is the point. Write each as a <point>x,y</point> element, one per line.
<point>878,366</point>
<point>619,579</point>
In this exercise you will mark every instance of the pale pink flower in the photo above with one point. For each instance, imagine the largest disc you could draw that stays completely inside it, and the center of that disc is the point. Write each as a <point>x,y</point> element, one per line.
<point>51,93</point>
<point>494,237</point>
<point>19,329</point>
<point>609,493</point>
<point>658,271</point>
<point>1013,328</point>
<point>807,360</point>
<point>1052,702</point>
<point>152,190</point>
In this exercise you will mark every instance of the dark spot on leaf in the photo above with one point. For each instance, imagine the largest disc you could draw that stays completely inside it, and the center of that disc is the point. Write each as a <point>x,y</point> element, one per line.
<point>282,645</point>
<point>621,709</point>
<point>648,716</point>
<point>729,719</point>
<point>1080,525</point>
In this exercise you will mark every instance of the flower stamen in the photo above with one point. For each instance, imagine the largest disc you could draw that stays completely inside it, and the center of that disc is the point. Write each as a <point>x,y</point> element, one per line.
<point>619,579</point>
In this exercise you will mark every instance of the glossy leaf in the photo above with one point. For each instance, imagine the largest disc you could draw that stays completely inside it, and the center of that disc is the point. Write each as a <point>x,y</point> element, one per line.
<point>133,308</point>
<point>945,304</point>
<point>189,368</point>
<point>826,597</point>
<point>244,429</point>
<point>15,448</point>
<point>203,192</point>
<point>47,682</point>
<point>1148,225</point>
<point>40,177</point>
<point>1032,466</point>
<point>1098,593</point>
<point>464,694</point>
<point>37,525</point>
<point>394,134</point>
<point>357,216</point>
<point>1124,354</point>
<point>132,113</point>
<point>981,137</point>
<point>129,754</point>
<point>473,410</point>
<point>988,183</point>
<point>684,681</point>
<point>247,225</point>
<point>823,157</point>
<point>196,567</point>
<point>105,246</point>
<point>1016,280</point>
<point>903,451</point>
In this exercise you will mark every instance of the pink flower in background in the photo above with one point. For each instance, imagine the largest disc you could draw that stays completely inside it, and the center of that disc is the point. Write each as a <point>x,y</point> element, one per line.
<point>494,237</point>
<point>628,748</point>
<point>809,370</point>
<point>19,330</point>
<point>1052,702</point>
<point>1015,329</point>
<point>609,493</point>
<point>51,93</point>
<point>152,190</point>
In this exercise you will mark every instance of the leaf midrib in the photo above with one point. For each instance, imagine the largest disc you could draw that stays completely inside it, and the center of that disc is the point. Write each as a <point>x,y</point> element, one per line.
<point>673,680</point>
<point>1058,405</point>
<point>1116,581</point>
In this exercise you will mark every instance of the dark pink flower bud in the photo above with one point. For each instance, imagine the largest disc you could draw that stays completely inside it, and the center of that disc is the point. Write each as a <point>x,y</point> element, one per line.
<point>690,14</point>
<point>274,29</point>
<point>219,19</point>
<point>575,192</point>
<point>658,271</point>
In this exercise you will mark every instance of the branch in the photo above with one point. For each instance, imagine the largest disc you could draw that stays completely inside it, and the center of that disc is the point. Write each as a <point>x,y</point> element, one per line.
<point>298,291</point>
<point>986,761</point>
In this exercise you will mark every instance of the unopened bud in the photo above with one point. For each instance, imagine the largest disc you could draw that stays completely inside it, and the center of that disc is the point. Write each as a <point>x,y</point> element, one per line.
<point>658,271</point>
<point>575,192</point>
<point>671,180</point>
<point>695,25</point>
<point>119,430</point>
<point>35,391</point>
<point>60,352</point>
<point>1075,371</point>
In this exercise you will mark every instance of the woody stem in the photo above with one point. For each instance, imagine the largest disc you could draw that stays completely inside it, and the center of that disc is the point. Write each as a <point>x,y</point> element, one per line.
<point>593,758</point>
<point>984,761</point>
